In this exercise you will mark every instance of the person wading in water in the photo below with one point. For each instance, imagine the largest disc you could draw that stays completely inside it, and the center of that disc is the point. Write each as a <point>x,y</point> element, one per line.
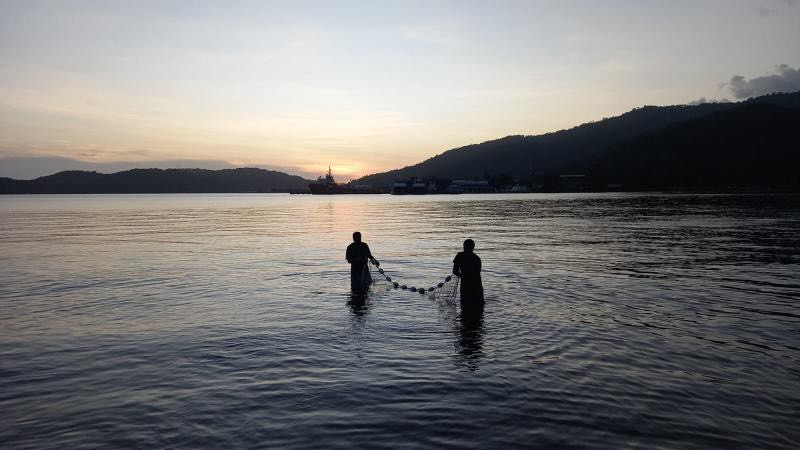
<point>357,255</point>
<point>467,265</point>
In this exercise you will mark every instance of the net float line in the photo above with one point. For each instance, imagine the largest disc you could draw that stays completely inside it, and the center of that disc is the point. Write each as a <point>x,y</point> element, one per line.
<point>442,288</point>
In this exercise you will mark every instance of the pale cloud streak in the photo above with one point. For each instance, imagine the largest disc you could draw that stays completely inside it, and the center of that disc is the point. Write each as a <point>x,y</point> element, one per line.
<point>775,7</point>
<point>783,79</point>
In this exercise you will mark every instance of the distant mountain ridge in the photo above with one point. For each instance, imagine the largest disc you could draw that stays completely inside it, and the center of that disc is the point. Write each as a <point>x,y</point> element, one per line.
<point>714,145</point>
<point>35,166</point>
<point>753,145</point>
<point>158,181</point>
<point>522,156</point>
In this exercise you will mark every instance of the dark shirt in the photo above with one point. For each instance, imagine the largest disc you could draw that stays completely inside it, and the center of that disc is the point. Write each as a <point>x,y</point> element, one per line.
<point>358,253</point>
<point>467,265</point>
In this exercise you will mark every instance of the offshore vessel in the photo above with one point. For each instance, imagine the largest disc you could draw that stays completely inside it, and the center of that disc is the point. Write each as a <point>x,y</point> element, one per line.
<point>326,185</point>
<point>329,186</point>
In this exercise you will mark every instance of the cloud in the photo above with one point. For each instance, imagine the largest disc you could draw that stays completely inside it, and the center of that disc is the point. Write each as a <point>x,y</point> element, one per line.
<point>785,79</point>
<point>766,10</point>
<point>703,100</point>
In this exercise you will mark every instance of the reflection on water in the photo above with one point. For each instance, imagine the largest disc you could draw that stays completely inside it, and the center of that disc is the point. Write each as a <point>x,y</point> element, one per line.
<point>358,304</point>
<point>470,337</point>
<point>227,321</point>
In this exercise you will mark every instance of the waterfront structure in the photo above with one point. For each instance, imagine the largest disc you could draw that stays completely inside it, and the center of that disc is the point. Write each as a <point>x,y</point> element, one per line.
<point>469,187</point>
<point>329,186</point>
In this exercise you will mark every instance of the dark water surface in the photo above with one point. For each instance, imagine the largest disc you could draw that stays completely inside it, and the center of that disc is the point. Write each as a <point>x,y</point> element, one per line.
<point>222,321</point>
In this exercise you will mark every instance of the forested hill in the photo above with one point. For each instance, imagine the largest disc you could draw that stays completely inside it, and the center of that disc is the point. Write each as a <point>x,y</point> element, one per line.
<point>754,145</point>
<point>157,181</point>
<point>522,156</point>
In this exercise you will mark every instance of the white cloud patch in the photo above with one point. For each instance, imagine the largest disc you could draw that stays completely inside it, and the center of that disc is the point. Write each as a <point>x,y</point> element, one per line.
<point>784,79</point>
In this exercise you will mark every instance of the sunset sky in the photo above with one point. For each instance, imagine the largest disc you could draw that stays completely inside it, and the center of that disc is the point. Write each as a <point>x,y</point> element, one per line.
<point>362,86</point>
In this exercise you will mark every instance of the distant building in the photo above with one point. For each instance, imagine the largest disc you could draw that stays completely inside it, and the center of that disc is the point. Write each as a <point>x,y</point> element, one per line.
<point>426,185</point>
<point>418,186</point>
<point>469,187</point>
<point>519,188</point>
<point>400,187</point>
<point>434,185</point>
<point>573,182</point>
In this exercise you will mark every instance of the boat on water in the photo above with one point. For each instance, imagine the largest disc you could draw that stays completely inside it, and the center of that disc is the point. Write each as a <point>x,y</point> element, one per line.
<point>328,186</point>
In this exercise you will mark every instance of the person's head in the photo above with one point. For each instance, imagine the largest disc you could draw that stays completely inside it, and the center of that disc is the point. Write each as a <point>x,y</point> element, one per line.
<point>469,245</point>
<point>357,236</point>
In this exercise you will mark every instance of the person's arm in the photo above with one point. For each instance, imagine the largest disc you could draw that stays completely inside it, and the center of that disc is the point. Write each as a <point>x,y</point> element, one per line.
<point>372,258</point>
<point>349,254</point>
<point>456,267</point>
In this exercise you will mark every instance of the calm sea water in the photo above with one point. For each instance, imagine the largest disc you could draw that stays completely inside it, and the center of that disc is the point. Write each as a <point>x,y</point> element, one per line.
<point>224,321</point>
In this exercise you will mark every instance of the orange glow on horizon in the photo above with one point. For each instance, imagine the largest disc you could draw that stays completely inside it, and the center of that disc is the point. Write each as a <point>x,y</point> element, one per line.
<point>341,173</point>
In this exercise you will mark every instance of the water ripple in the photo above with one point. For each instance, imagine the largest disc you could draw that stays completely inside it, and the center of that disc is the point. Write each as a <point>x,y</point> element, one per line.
<point>202,321</point>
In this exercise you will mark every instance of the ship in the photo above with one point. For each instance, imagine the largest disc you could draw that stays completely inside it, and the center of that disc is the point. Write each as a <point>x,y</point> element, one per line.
<point>329,186</point>
<point>326,185</point>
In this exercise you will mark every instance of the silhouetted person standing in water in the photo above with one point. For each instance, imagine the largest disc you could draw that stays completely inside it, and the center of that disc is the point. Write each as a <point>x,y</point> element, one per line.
<point>467,265</point>
<point>357,255</point>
